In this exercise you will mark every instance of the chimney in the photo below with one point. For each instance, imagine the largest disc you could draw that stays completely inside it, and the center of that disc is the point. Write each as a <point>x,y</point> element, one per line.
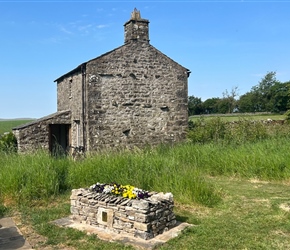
<point>136,29</point>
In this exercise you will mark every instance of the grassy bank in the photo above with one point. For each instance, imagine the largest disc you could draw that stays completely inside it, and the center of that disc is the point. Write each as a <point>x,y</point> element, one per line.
<point>238,116</point>
<point>235,190</point>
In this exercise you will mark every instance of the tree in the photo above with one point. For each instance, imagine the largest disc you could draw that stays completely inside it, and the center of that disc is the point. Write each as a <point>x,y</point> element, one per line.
<point>247,102</point>
<point>266,83</point>
<point>269,95</point>
<point>194,106</point>
<point>279,98</point>
<point>263,93</point>
<point>210,105</point>
<point>223,106</point>
<point>229,100</point>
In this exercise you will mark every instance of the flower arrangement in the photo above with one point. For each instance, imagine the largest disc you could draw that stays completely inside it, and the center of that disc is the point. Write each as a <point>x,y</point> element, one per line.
<point>126,191</point>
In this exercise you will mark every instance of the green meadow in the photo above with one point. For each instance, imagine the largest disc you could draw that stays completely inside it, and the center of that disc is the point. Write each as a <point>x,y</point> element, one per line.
<point>7,125</point>
<point>231,183</point>
<point>238,116</point>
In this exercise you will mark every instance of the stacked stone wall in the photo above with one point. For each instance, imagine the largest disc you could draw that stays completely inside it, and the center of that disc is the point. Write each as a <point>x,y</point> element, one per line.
<point>144,218</point>
<point>136,96</point>
<point>69,95</point>
<point>35,135</point>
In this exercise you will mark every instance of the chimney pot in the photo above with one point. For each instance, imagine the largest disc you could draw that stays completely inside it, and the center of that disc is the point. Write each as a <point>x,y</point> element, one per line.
<point>136,29</point>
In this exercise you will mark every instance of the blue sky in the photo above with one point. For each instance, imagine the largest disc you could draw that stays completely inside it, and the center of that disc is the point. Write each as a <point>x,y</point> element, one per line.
<point>225,44</point>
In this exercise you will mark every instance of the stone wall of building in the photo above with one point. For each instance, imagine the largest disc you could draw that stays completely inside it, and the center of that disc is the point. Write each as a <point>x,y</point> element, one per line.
<point>63,94</point>
<point>35,135</point>
<point>135,96</point>
<point>144,218</point>
<point>70,96</point>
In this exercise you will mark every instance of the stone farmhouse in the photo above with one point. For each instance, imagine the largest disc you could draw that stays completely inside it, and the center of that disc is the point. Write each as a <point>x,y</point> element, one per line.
<point>131,96</point>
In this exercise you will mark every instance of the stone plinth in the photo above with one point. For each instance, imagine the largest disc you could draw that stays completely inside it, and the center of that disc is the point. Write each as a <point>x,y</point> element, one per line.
<point>144,218</point>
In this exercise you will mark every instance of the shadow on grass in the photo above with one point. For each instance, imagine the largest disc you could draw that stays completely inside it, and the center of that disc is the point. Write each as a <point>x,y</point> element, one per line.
<point>182,218</point>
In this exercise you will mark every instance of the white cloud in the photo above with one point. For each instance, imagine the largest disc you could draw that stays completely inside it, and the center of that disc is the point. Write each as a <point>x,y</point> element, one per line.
<point>101,26</point>
<point>85,27</point>
<point>52,40</point>
<point>65,30</point>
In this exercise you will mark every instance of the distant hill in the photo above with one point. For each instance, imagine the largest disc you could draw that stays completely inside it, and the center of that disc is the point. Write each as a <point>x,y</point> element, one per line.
<point>16,119</point>
<point>6,125</point>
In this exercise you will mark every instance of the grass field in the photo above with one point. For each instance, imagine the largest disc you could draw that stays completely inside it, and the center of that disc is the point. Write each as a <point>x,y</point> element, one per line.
<point>236,117</point>
<point>235,194</point>
<point>7,125</point>
<point>253,215</point>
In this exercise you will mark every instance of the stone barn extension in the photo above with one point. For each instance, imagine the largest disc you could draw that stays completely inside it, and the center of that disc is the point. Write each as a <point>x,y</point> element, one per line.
<point>133,95</point>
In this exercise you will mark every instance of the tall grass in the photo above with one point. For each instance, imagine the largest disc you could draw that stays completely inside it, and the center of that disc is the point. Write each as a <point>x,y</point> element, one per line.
<point>39,176</point>
<point>217,130</point>
<point>256,152</point>
<point>32,176</point>
<point>268,159</point>
<point>150,170</point>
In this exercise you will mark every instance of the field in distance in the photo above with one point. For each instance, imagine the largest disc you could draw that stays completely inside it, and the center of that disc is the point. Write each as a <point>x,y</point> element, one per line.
<point>237,117</point>
<point>7,125</point>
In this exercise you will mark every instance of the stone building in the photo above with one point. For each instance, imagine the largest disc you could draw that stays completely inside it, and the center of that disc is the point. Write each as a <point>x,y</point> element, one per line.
<point>133,95</point>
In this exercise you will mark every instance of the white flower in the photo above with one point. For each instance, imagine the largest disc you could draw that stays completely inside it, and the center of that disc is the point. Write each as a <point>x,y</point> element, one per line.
<point>108,189</point>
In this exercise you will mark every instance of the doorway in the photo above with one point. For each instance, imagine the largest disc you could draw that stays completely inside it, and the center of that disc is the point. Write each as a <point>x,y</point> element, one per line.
<point>59,139</point>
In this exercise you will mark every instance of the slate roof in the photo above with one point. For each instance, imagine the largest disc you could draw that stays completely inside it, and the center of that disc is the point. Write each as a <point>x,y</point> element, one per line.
<point>45,118</point>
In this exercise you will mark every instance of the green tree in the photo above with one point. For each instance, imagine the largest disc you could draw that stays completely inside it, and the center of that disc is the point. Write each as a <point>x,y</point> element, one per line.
<point>247,102</point>
<point>228,102</point>
<point>210,105</point>
<point>288,94</point>
<point>223,106</point>
<point>270,95</point>
<point>194,106</point>
<point>279,98</point>
<point>263,92</point>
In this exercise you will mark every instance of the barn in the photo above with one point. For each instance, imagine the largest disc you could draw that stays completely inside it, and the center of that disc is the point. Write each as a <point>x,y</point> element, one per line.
<point>131,96</point>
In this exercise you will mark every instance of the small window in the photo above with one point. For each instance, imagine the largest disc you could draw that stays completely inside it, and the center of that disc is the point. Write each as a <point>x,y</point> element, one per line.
<point>70,90</point>
<point>104,216</point>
